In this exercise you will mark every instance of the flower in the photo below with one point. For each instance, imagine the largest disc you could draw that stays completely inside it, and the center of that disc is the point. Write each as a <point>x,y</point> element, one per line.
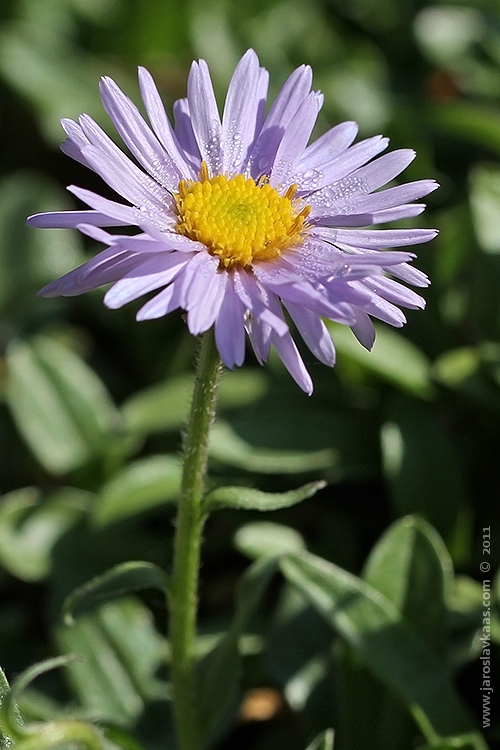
<point>239,219</point>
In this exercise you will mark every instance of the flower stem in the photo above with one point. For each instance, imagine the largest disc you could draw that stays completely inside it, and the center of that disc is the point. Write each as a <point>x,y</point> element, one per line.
<point>183,600</point>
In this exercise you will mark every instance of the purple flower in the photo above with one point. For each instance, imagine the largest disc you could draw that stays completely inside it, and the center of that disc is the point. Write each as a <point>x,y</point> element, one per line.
<point>239,219</point>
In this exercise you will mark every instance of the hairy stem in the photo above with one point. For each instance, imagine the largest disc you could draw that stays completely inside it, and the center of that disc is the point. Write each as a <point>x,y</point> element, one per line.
<point>183,600</point>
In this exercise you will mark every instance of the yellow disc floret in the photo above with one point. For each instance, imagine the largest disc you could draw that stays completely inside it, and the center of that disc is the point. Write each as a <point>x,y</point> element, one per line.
<point>239,220</point>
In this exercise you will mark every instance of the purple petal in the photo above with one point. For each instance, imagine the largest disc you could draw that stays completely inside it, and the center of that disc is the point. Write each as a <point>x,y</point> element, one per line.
<point>204,294</point>
<point>148,275</point>
<point>295,89</point>
<point>161,124</point>
<point>294,141</point>
<point>205,117</point>
<point>163,303</point>
<point>328,146</point>
<point>257,300</point>
<point>185,134</point>
<point>374,239</point>
<point>314,332</point>
<point>229,327</point>
<point>363,329</point>
<point>71,219</point>
<point>336,181</point>
<point>241,110</point>
<point>139,138</point>
<point>125,215</point>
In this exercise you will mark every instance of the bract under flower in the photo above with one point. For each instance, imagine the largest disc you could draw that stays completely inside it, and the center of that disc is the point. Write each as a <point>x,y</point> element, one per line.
<point>238,219</point>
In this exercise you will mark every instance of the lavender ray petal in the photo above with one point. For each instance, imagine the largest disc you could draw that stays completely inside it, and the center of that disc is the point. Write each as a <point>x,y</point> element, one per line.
<point>294,141</point>
<point>71,219</point>
<point>161,124</point>
<point>335,180</point>
<point>363,329</point>
<point>205,117</point>
<point>329,145</point>
<point>240,113</point>
<point>384,169</point>
<point>410,274</point>
<point>204,295</point>
<point>229,328</point>
<point>139,138</point>
<point>392,291</point>
<point>150,274</point>
<point>293,92</point>
<point>257,300</point>
<point>374,239</point>
<point>185,134</point>
<point>106,267</point>
<point>314,332</point>
<point>163,303</point>
<point>125,215</point>
<point>289,355</point>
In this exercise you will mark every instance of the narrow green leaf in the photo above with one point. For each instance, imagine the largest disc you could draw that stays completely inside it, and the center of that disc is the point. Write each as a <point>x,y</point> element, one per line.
<point>265,539</point>
<point>30,527</point>
<point>122,579</point>
<point>5,739</point>
<point>323,741</point>
<point>393,358</point>
<point>142,484</point>
<point>219,672</point>
<point>230,449</point>
<point>411,567</point>
<point>390,648</point>
<point>121,652</point>
<point>247,498</point>
<point>60,406</point>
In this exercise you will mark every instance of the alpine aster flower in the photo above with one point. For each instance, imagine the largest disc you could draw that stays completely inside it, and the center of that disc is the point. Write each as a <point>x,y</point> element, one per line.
<point>240,219</point>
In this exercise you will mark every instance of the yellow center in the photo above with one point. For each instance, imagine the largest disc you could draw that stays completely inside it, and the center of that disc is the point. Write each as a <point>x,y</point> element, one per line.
<point>238,219</point>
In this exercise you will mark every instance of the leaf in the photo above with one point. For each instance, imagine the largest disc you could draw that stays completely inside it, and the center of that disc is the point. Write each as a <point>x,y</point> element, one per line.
<point>485,205</point>
<point>122,579</point>
<point>388,646</point>
<point>393,358</point>
<point>265,539</point>
<point>60,406</point>
<point>323,741</point>
<point>227,447</point>
<point>247,498</point>
<point>30,527</point>
<point>476,123</point>
<point>141,485</point>
<point>121,652</point>
<point>422,463</point>
<point>5,740</point>
<point>165,406</point>
<point>219,672</point>
<point>411,567</point>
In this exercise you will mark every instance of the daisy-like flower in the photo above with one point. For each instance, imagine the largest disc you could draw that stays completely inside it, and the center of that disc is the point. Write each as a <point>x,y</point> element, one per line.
<point>239,220</point>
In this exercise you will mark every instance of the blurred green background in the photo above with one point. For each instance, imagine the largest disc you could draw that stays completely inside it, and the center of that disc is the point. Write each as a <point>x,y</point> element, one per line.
<point>90,399</point>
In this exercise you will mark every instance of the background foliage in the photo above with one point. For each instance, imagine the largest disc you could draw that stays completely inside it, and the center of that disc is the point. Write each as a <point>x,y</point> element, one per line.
<point>407,437</point>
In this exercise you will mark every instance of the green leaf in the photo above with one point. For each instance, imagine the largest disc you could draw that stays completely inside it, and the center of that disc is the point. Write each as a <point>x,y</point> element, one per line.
<point>5,740</point>
<point>60,406</point>
<point>411,567</point>
<point>219,672</point>
<point>421,463</point>
<point>323,741</point>
<point>165,406</point>
<point>229,448</point>
<point>122,579</point>
<point>30,528</point>
<point>121,653</point>
<point>476,123</point>
<point>141,485</point>
<point>251,499</point>
<point>393,358</point>
<point>485,205</point>
<point>389,647</point>
<point>265,539</point>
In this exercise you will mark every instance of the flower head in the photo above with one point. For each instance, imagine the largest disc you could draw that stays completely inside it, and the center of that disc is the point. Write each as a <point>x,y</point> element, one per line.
<point>238,219</point>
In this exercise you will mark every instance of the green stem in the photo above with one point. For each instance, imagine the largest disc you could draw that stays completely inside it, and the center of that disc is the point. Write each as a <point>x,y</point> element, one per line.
<point>183,600</point>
